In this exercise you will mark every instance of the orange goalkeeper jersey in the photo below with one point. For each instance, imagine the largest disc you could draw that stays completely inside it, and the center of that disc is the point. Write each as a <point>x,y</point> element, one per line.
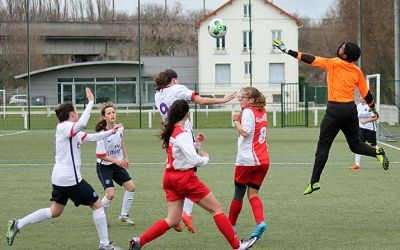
<point>342,78</point>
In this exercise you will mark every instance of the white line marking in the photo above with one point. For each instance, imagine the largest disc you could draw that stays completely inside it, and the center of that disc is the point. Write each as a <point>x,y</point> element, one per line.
<point>20,132</point>
<point>390,146</point>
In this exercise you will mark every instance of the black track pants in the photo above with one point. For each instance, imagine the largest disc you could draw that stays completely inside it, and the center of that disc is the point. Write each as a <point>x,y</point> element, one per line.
<point>338,116</point>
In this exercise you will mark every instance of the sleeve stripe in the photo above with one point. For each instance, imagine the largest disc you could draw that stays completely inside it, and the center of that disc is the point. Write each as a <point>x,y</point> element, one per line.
<point>193,95</point>
<point>102,154</point>
<point>83,137</point>
<point>71,133</point>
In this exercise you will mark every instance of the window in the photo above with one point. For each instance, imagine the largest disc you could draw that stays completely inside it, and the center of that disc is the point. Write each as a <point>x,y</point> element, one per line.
<point>220,43</point>
<point>126,93</point>
<point>276,73</point>
<point>222,73</point>
<point>248,68</point>
<point>276,34</point>
<point>276,98</point>
<point>80,93</point>
<point>105,93</point>
<point>247,40</point>
<point>247,10</point>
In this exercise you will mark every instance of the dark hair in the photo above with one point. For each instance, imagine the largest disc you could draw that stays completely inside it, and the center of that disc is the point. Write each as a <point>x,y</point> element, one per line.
<point>102,124</point>
<point>259,99</point>
<point>176,113</point>
<point>63,110</point>
<point>352,51</point>
<point>164,78</point>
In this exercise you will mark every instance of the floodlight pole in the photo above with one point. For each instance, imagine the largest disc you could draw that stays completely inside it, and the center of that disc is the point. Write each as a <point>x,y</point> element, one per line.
<point>397,53</point>
<point>140,67</point>
<point>250,45</point>
<point>29,63</point>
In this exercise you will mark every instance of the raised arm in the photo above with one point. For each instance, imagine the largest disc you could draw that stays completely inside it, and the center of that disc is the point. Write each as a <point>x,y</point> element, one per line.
<point>83,120</point>
<point>208,101</point>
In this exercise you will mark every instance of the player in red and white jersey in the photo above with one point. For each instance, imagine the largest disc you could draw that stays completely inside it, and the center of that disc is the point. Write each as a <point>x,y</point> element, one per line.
<point>112,162</point>
<point>66,177</point>
<point>180,182</point>
<point>252,160</point>
<point>169,90</point>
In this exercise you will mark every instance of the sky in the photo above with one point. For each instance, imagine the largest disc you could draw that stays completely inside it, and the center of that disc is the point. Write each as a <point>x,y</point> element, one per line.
<point>315,9</point>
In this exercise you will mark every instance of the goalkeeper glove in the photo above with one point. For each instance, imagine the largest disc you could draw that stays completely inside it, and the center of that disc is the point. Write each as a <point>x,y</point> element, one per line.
<point>373,110</point>
<point>280,45</point>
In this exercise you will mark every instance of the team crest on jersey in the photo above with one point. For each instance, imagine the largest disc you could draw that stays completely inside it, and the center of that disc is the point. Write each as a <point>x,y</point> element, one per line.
<point>94,194</point>
<point>107,181</point>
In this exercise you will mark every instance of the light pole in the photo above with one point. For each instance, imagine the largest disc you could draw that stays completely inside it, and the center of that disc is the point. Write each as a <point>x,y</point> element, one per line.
<point>29,64</point>
<point>140,66</point>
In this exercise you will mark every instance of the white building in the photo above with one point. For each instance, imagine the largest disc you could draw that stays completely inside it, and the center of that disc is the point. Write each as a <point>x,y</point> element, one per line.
<point>224,63</point>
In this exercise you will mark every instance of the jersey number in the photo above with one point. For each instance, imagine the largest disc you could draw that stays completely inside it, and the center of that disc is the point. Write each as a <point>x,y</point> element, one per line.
<point>263,135</point>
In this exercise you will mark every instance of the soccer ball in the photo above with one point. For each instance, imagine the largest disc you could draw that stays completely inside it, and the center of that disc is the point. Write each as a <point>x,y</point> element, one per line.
<point>217,28</point>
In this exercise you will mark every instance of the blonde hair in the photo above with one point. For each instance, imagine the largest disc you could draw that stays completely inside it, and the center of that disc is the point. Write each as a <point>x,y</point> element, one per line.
<point>259,99</point>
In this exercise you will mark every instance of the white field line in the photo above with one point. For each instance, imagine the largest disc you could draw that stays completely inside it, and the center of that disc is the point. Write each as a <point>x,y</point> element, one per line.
<point>15,133</point>
<point>390,146</point>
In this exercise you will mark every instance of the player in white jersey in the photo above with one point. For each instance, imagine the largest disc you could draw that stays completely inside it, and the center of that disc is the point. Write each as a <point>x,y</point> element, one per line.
<point>66,177</point>
<point>252,160</point>
<point>169,90</point>
<point>112,162</point>
<point>367,122</point>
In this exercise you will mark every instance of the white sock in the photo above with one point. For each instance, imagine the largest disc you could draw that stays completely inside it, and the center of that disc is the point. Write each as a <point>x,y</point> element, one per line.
<point>188,206</point>
<point>105,202</point>
<point>100,220</point>
<point>358,159</point>
<point>35,217</point>
<point>127,202</point>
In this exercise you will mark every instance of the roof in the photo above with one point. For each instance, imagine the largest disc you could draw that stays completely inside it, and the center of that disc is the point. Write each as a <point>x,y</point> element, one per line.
<point>72,65</point>
<point>298,21</point>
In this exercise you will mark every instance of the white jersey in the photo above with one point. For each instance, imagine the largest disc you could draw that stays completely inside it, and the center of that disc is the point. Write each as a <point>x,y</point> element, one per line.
<point>111,147</point>
<point>364,112</point>
<point>166,96</point>
<point>68,139</point>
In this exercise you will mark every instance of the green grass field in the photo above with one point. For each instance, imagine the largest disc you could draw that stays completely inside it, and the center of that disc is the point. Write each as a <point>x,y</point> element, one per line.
<point>353,209</point>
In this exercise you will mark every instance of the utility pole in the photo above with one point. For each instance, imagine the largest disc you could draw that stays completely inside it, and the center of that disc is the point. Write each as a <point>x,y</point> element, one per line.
<point>140,66</point>
<point>250,44</point>
<point>360,31</point>
<point>397,52</point>
<point>29,63</point>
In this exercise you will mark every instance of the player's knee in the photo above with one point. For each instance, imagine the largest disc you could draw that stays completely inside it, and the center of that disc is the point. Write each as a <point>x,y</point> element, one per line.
<point>110,194</point>
<point>130,187</point>
<point>55,212</point>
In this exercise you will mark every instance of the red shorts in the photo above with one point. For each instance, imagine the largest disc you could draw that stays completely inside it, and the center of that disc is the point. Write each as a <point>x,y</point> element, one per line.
<point>184,184</point>
<point>251,174</point>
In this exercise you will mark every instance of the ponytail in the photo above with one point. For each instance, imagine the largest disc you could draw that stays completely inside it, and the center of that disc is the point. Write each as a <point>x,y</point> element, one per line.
<point>176,113</point>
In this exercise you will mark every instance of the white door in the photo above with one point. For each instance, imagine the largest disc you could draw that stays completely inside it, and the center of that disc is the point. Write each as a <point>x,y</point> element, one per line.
<point>276,73</point>
<point>222,73</point>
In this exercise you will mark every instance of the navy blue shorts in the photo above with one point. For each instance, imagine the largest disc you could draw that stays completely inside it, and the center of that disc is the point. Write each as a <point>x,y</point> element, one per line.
<point>367,135</point>
<point>80,194</point>
<point>109,173</point>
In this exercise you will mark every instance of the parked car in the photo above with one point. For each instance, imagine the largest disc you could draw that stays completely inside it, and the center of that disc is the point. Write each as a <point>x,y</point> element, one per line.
<point>18,99</point>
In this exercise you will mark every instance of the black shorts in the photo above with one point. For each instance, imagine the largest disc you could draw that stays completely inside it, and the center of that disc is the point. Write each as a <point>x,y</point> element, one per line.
<point>367,135</point>
<point>109,173</point>
<point>80,194</point>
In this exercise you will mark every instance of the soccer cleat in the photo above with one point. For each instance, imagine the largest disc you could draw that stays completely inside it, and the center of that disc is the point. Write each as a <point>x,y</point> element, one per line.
<point>125,218</point>
<point>246,244</point>
<point>355,167</point>
<point>134,244</point>
<point>110,246</point>
<point>312,187</point>
<point>259,230</point>
<point>178,228</point>
<point>12,230</point>
<point>381,156</point>
<point>187,220</point>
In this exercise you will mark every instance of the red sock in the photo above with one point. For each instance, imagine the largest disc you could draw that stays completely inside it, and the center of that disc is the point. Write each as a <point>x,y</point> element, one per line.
<point>225,227</point>
<point>234,211</point>
<point>258,210</point>
<point>154,231</point>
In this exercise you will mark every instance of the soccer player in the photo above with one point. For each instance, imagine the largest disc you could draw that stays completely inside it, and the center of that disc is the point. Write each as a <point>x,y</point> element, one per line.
<point>112,162</point>
<point>169,90</point>
<point>367,124</point>
<point>252,160</point>
<point>343,76</point>
<point>66,177</point>
<point>180,181</point>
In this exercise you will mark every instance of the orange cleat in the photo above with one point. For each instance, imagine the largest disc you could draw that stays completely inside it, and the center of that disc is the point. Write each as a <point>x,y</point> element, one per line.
<point>178,228</point>
<point>355,167</point>
<point>187,220</point>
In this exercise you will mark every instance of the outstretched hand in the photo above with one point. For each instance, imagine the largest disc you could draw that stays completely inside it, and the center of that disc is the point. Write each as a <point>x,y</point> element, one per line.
<point>280,45</point>
<point>230,97</point>
<point>373,110</point>
<point>89,95</point>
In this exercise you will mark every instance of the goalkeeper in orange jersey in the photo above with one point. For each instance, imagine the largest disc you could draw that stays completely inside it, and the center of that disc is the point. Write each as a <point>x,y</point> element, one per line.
<point>343,76</point>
